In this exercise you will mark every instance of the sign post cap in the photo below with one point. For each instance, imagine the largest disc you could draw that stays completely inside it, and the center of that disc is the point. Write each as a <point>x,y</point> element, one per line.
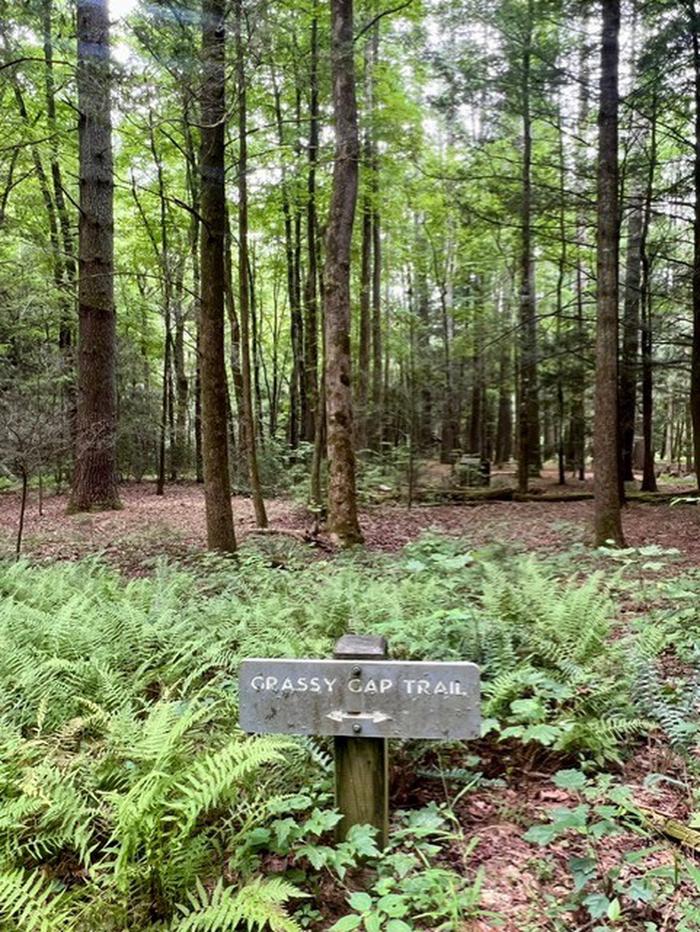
<point>360,647</point>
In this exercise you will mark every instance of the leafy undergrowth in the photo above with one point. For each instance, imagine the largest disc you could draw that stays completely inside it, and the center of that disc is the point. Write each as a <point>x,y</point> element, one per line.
<point>130,801</point>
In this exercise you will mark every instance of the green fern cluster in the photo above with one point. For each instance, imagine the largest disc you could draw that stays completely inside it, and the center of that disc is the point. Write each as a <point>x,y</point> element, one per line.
<point>129,800</point>
<point>551,670</point>
<point>125,787</point>
<point>672,703</point>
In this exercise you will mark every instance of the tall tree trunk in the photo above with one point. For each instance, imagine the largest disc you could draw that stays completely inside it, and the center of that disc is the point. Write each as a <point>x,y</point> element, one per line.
<point>363,349</point>
<point>649,473</point>
<point>422,375</point>
<point>310,286</point>
<point>342,503</point>
<point>95,473</point>
<point>578,385</point>
<point>695,365</point>
<point>217,491</point>
<point>377,401</point>
<point>563,264</point>
<point>182,385</point>
<point>630,341</point>
<point>296,386</point>
<point>163,255</point>
<point>504,423</point>
<point>608,523</point>
<point>67,260</point>
<point>235,342</point>
<point>244,277</point>
<point>528,420</point>
<point>192,176</point>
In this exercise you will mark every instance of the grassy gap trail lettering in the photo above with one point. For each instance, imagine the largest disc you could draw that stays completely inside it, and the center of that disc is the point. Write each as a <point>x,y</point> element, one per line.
<point>369,698</point>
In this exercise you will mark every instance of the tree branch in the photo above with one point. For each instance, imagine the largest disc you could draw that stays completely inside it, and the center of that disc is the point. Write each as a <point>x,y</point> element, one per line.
<point>366,28</point>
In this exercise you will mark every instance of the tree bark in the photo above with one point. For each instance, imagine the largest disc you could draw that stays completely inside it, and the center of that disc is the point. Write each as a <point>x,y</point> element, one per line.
<point>297,385</point>
<point>577,430</point>
<point>528,420</point>
<point>375,428</point>
<point>67,260</point>
<point>608,522</point>
<point>95,473</point>
<point>504,423</point>
<point>649,472</point>
<point>363,349</point>
<point>310,286</point>
<point>342,504</point>
<point>695,364</point>
<point>217,492</point>
<point>244,280</point>
<point>630,341</point>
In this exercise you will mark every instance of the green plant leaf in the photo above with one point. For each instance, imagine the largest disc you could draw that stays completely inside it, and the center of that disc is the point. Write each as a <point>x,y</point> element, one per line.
<point>541,834</point>
<point>597,905</point>
<point>570,779</point>
<point>544,734</point>
<point>360,901</point>
<point>393,904</point>
<point>346,924</point>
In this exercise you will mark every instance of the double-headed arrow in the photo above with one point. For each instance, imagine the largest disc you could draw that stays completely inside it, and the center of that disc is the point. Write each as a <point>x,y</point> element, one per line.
<point>375,717</point>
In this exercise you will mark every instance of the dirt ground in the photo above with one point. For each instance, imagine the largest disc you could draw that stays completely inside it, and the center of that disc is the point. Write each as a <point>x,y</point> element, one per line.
<point>149,525</point>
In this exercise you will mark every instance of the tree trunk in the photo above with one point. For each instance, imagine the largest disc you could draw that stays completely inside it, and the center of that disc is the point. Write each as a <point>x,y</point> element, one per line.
<point>95,473</point>
<point>363,349</point>
<point>244,280</point>
<point>577,428</point>
<point>235,343</point>
<point>630,342</point>
<point>695,365</point>
<point>375,430</point>
<point>217,492</point>
<point>182,385</point>
<point>192,175</point>
<point>67,260</point>
<point>310,286</point>
<point>608,523</point>
<point>528,421</point>
<point>296,386</point>
<point>649,473</point>
<point>342,504</point>
<point>22,513</point>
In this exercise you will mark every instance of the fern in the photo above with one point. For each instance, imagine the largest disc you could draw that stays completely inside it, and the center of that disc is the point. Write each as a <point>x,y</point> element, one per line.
<point>31,903</point>
<point>259,905</point>
<point>213,778</point>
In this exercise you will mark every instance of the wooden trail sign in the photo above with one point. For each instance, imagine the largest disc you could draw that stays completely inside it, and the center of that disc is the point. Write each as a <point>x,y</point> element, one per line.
<point>373,698</point>
<point>360,698</point>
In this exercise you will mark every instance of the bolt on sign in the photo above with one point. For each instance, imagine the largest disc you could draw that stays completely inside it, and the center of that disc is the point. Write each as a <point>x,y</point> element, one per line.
<point>372,698</point>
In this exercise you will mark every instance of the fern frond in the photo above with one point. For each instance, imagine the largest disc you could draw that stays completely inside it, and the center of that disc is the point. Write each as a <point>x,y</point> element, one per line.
<point>259,905</point>
<point>32,903</point>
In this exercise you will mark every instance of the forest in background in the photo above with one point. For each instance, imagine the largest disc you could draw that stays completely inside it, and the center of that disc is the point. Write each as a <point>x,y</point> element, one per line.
<point>500,158</point>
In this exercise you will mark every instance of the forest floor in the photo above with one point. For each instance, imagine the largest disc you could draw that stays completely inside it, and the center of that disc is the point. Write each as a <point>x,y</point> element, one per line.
<point>149,526</point>
<point>518,882</point>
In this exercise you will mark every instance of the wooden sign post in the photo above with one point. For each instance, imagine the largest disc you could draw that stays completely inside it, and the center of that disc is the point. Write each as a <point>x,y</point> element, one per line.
<point>361,699</point>
<point>362,764</point>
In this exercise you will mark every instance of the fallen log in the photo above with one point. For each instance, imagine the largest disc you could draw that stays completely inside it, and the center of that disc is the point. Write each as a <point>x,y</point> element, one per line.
<point>552,496</point>
<point>672,828</point>
<point>465,496</point>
